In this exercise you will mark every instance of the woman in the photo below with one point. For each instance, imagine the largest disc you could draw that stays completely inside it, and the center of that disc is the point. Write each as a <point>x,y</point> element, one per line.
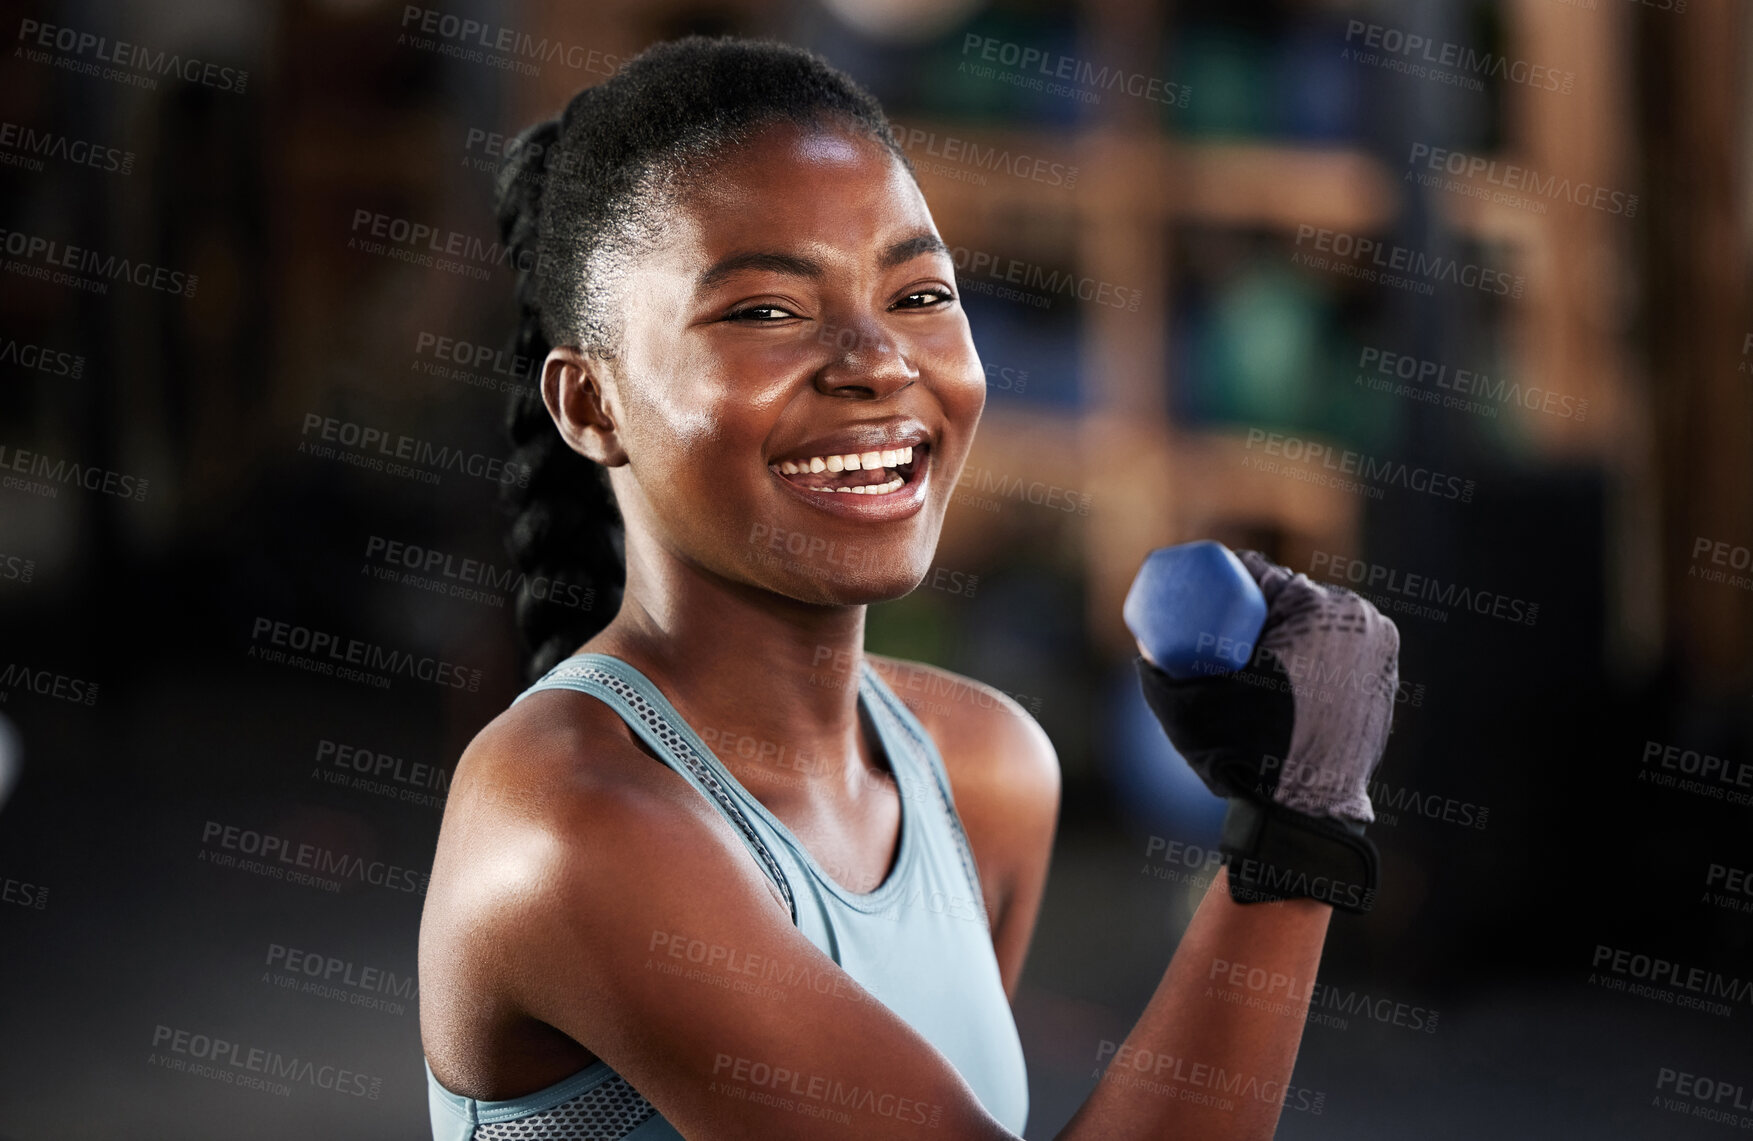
<point>813,925</point>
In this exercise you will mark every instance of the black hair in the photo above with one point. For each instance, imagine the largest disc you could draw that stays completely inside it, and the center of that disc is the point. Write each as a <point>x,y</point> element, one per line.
<point>578,196</point>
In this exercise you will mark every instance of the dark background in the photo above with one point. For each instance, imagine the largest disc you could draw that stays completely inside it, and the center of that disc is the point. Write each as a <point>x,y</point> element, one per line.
<point>141,710</point>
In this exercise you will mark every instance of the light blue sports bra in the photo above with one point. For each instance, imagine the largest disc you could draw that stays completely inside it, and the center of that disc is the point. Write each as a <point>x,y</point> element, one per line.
<point>919,943</point>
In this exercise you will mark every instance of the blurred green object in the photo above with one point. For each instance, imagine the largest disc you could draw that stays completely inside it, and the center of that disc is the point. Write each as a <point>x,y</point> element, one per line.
<point>963,74</point>
<point>1350,410</point>
<point>1230,82</point>
<point>921,626</point>
<point>949,85</point>
<point>1263,349</point>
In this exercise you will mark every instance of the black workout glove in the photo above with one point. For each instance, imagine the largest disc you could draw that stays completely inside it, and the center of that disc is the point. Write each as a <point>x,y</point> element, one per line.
<point>1291,740</point>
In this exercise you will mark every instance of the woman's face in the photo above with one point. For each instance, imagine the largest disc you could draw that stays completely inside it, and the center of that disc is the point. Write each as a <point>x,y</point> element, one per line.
<point>795,330</point>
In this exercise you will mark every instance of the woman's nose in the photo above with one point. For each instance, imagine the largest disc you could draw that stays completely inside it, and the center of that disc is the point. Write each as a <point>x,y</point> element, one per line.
<point>866,361</point>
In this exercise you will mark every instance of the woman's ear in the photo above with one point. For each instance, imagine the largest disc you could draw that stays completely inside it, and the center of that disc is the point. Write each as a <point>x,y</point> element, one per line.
<point>573,390</point>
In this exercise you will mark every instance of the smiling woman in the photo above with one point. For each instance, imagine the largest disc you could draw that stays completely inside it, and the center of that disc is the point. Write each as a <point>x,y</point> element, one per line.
<point>750,328</point>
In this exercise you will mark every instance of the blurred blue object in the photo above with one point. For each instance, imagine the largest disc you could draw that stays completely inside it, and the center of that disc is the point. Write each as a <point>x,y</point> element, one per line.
<point>1029,354</point>
<point>1153,787</point>
<point>1317,88</point>
<point>1196,608</point>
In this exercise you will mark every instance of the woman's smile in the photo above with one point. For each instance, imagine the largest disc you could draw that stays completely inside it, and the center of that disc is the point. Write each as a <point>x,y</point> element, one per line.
<point>876,471</point>
<point>878,485</point>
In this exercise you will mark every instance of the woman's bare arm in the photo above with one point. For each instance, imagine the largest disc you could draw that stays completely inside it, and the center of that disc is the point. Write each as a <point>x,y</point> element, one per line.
<point>1190,1047</point>
<point>1200,1064</point>
<point>632,919</point>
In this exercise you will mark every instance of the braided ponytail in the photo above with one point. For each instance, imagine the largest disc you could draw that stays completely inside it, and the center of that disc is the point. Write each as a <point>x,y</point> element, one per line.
<point>565,525</point>
<point>578,196</point>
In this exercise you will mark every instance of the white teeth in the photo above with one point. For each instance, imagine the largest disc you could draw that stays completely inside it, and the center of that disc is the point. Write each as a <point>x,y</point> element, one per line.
<point>850,461</point>
<point>868,489</point>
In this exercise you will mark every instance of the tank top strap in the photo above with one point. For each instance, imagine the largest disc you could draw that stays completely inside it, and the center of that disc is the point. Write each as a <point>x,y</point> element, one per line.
<point>639,703</point>
<point>908,728</point>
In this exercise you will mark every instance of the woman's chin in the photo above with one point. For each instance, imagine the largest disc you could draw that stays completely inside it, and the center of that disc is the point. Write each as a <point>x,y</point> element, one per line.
<point>849,588</point>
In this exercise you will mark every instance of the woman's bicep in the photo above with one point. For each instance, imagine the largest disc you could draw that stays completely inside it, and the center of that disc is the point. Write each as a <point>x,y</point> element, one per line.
<point>658,945</point>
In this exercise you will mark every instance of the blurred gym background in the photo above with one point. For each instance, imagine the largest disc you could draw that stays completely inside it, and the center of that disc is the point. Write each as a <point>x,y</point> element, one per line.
<point>1563,349</point>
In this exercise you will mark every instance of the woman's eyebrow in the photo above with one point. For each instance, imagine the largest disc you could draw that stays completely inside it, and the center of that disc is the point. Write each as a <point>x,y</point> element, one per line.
<point>904,250</point>
<point>924,242</point>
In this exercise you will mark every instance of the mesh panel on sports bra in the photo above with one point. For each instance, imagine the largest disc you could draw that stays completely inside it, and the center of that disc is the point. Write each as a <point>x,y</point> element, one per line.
<point>608,1112</point>
<point>684,752</point>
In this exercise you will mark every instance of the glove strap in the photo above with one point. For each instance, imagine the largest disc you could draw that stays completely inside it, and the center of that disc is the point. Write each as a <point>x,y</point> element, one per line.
<point>1276,853</point>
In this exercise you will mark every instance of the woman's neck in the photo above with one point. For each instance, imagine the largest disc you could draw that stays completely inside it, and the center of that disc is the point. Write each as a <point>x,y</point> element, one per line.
<point>758,675</point>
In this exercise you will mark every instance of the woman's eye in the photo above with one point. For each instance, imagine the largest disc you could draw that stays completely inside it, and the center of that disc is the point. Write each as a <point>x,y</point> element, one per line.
<point>939,297</point>
<point>760,314</point>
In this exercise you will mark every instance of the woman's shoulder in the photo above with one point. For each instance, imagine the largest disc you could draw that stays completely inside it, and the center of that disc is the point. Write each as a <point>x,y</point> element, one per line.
<point>557,791</point>
<point>550,756</point>
<point>563,843</point>
<point>989,742</point>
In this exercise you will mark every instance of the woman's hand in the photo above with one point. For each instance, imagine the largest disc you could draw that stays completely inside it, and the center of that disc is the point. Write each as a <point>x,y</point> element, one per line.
<point>1291,740</point>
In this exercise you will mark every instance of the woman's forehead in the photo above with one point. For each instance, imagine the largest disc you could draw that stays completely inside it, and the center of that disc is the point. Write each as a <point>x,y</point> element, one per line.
<point>793,187</point>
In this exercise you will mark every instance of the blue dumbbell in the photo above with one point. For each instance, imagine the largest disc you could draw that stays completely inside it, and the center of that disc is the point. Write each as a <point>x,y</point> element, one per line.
<point>1195,609</point>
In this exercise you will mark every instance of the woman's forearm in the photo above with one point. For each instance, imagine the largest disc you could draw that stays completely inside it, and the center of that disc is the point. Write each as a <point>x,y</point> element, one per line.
<point>1211,1057</point>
